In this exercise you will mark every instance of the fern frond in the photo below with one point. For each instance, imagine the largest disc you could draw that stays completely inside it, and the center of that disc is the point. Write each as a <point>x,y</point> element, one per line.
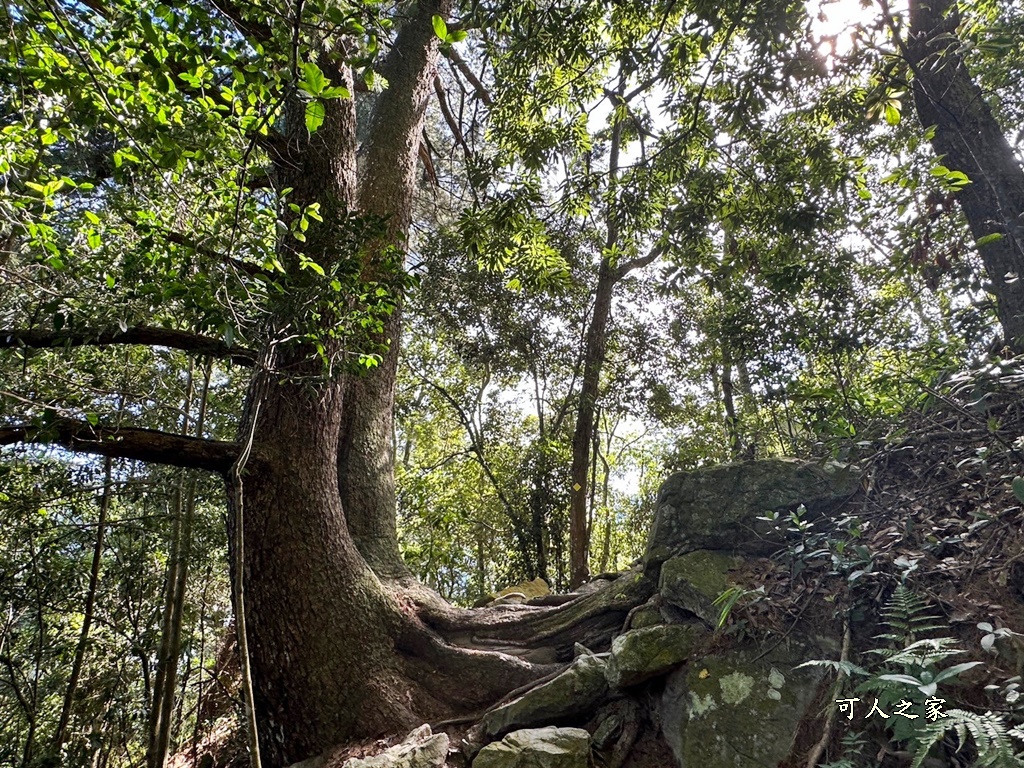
<point>988,732</point>
<point>908,616</point>
<point>924,653</point>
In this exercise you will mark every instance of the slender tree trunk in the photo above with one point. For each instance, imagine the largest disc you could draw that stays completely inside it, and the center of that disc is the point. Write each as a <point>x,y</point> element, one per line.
<point>593,360</point>
<point>90,606</point>
<point>748,408</point>
<point>969,139</point>
<point>728,401</point>
<point>161,717</point>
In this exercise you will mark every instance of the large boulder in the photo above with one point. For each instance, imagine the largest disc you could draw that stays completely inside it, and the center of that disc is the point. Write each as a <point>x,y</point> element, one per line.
<point>741,710</point>
<point>538,748</point>
<point>641,654</point>
<point>574,693</point>
<point>718,507</point>
<point>420,749</point>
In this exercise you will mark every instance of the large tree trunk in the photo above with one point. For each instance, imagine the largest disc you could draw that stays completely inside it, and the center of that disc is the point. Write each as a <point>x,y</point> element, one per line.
<point>970,140</point>
<point>366,461</point>
<point>333,655</point>
<point>387,186</point>
<point>322,629</point>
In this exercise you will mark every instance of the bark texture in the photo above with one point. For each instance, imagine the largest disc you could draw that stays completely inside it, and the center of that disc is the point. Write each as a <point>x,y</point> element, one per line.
<point>969,139</point>
<point>582,438</point>
<point>387,185</point>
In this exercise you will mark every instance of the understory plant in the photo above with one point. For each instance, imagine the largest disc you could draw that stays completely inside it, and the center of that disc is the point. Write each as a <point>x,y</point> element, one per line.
<point>906,683</point>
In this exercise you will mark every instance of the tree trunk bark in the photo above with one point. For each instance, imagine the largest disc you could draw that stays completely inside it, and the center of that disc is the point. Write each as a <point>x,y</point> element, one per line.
<point>732,427</point>
<point>387,186</point>
<point>322,635</point>
<point>366,461</point>
<point>593,360</point>
<point>969,139</point>
<point>332,654</point>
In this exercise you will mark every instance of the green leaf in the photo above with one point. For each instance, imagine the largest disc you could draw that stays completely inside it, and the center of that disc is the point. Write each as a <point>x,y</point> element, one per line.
<point>991,238</point>
<point>92,418</point>
<point>440,28</point>
<point>892,114</point>
<point>458,36</point>
<point>1018,488</point>
<point>902,679</point>
<point>314,115</point>
<point>313,81</point>
<point>335,92</point>
<point>955,670</point>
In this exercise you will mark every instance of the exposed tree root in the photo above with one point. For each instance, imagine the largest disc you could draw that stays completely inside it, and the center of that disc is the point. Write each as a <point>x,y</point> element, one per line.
<point>452,665</point>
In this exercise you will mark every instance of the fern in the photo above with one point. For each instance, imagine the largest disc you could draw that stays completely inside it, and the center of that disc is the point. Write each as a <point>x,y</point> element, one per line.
<point>989,733</point>
<point>909,618</point>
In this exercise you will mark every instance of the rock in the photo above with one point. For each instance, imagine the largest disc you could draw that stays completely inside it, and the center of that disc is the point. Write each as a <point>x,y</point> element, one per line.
<point>607,731</point>
<point>577,691</point>
<point>528,589</point>
<point>517,594</point>
<point>420,749</point>
<point>647,616</point>
<point>538,748</point>
<point>695,580</point>
<point>739,711</point>
<point>641,654</point>
<point>718,507</point>
<point>512,598</point>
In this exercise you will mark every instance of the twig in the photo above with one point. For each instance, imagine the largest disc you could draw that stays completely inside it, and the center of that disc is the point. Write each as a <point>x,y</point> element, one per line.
<point>830,718</point>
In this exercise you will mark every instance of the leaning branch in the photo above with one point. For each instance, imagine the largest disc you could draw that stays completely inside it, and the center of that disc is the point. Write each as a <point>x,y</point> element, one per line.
<point>459,63</point>
<point>650,257</point>
<point>149,336</point>
<point>148,445</point>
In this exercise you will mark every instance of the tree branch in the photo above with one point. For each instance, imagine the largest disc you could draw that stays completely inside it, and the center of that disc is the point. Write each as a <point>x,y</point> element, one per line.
<point>257,32</point>
<point>628,266</point>
<point>453,124</point>
<point>154,337</point>
<point>481,90</point>
<point>179,238</point>
<point>127,443</point>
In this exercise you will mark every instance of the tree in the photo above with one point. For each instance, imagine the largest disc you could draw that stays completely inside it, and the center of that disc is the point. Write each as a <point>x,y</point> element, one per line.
<point>967,139</point>
<point>332,653</point>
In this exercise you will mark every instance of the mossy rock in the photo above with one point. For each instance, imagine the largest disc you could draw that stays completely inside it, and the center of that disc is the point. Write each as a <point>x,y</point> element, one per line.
<point>575,692</point>
<point>739,711</point>
<point>718,507</point>
<point>695,580</point>
<point>538,748</point>
<point>648,616</point>
<point>641,654</point>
